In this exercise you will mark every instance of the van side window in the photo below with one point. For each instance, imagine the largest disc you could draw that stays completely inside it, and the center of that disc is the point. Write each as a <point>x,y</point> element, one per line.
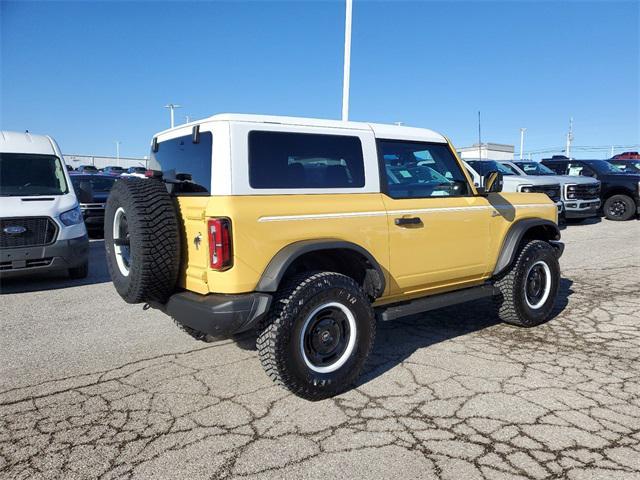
<point>419,170</point>
<point>180,158</point>
<point>305,160</point>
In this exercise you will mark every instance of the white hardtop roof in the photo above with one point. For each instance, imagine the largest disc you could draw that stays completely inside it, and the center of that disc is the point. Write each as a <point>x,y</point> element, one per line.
<point>25,142</point>
<point>380,130</point>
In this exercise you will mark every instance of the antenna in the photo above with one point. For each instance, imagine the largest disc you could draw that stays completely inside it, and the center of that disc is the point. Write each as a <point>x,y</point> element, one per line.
<point>479,138</point>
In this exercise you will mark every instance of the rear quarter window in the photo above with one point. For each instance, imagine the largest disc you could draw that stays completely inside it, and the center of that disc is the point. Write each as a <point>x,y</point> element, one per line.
<point>180,158</point>
<point>304,160</point>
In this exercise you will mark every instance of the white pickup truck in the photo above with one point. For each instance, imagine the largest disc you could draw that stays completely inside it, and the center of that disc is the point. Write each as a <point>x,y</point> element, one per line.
<point>580,195</point>
<point>514,183</point>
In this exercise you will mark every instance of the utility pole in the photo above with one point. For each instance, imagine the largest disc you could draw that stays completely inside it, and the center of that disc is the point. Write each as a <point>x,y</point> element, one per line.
<point>611,156</point>
<point>187,118</point>
<point>171,108</point>
<point>118,142</point>
<point>522,130</point>
<point>347,60</point>
<point>479,138</point>
<point>569,138</point>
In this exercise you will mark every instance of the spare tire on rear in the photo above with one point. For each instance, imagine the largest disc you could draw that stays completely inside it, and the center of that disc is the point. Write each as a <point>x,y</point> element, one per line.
<point>142,240</point>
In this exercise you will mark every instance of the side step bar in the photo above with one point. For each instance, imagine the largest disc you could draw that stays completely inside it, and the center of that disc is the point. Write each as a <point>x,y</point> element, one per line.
<point>434,302</point>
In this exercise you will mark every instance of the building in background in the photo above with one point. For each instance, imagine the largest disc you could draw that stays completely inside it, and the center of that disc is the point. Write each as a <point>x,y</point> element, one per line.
<point>100,162</point>
<point>487,151</point>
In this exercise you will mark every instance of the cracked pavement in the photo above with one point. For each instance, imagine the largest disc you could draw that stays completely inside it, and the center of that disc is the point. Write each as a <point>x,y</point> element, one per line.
<point>91,387</point>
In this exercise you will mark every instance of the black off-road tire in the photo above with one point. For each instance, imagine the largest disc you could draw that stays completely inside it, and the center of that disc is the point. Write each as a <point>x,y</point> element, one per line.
<point>279,341</point>
<point>510,301</point>
<point>154,239</point>
<point>79,272</point>
<point>613,204</point>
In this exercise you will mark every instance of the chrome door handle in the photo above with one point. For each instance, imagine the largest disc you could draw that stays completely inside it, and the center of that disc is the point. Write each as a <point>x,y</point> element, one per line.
<point>403,221</point>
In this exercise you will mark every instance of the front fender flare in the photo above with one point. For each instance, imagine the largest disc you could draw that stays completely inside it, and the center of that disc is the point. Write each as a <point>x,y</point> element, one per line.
<point>515,234</point>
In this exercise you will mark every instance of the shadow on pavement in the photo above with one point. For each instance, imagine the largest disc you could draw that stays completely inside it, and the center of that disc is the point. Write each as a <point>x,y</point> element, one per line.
<point>397,340</point>
<point>38,281</point>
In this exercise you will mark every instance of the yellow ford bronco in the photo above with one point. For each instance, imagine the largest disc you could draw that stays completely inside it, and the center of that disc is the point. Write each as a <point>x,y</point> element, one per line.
<point>309,230</point>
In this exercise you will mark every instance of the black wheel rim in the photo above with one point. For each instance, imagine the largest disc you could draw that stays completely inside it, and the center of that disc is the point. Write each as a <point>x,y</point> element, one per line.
<point>122,242</point>
<point>326,336</point>
<point>536,284</point>
<point>617,208</point>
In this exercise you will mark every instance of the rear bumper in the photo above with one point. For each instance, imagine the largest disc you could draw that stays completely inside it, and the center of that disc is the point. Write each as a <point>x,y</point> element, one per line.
<point>581,208</point>
<point>217,314</point>
<point>60,255</point>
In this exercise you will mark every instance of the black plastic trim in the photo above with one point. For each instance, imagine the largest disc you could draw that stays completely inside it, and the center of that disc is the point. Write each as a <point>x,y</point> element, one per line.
<point>272,275</point>
<point>513,237</point>
<point>217,314</point>
<point>434,302</point>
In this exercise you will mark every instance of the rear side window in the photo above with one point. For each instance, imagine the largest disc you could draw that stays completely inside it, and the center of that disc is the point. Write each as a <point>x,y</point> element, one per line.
<point>303,160</point>
<point>181,159</point>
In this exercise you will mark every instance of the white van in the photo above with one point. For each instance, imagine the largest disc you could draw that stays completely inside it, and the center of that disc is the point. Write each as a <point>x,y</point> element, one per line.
<point>41,225</point>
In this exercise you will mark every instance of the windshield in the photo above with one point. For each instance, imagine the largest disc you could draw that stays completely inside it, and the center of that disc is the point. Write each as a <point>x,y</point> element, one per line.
<point>535,168</point>
<point>485,166</point>
<point>627,166</point>
<point>602,166</point>
<point>98,184</point>
<point>28,175</point>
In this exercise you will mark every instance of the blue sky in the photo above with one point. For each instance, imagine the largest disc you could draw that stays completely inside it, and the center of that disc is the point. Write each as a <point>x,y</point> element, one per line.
<point>90,73</point>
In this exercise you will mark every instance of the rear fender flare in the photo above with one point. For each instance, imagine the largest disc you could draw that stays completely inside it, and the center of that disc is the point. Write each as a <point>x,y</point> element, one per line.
<point>277,267</point>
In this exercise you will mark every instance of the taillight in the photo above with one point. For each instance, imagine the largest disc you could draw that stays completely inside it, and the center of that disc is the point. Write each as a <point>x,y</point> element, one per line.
<point>219,243</point>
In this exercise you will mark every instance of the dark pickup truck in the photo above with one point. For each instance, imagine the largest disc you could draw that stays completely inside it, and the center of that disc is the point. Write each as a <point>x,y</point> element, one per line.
<point>619,192</point>
<point>92,192</point>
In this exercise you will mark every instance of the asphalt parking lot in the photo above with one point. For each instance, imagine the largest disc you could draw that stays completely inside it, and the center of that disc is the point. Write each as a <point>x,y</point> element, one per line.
<point>91,387</point>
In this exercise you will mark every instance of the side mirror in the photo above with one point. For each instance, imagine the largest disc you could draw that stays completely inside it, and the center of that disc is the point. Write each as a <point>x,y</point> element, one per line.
<point>493,182</point>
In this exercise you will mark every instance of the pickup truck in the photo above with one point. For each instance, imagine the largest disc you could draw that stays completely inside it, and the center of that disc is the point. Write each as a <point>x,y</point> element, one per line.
<point>619,190</point>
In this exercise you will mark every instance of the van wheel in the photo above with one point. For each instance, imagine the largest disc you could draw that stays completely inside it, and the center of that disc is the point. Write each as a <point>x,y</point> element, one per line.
<point>619,208</point>
<point>318,335</point>
<point>79,272</point>
<point>142,240</point>
<point>528,290</point>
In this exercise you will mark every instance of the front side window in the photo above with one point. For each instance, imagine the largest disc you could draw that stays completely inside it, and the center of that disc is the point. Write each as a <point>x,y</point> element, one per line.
<point>483,167</point>
<point>185,161</point>
<point>29,175</point>
<point>304,160</point>
<point>602,166</point>
<point>419,170</point>
<point>535,168</point>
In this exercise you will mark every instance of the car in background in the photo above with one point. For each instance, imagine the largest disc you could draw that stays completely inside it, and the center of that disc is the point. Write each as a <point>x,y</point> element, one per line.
<point>580,195</point>
<point>626,165</point>
<point>479,169</point>
<point>86,169</point>
<point>69,168</point>
<point>139,170</point>
<point>41,226</point>
<point>92,191</point>
<point>626,156</point>
<point>113,170</point>
<point>619,191</point>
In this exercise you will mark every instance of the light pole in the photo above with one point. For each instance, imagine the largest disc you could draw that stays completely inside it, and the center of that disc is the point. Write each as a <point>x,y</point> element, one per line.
<point>569,138</point>
<point>118,142</point>
<point>522,130</point>
<point>171,108</point>
<point>347,60</point>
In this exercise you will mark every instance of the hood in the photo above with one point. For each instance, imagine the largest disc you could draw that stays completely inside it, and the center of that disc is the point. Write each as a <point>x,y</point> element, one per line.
<point>565,179</point>
<point>41,206</point>
<point>530,180</point>
<point>626,176</point>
